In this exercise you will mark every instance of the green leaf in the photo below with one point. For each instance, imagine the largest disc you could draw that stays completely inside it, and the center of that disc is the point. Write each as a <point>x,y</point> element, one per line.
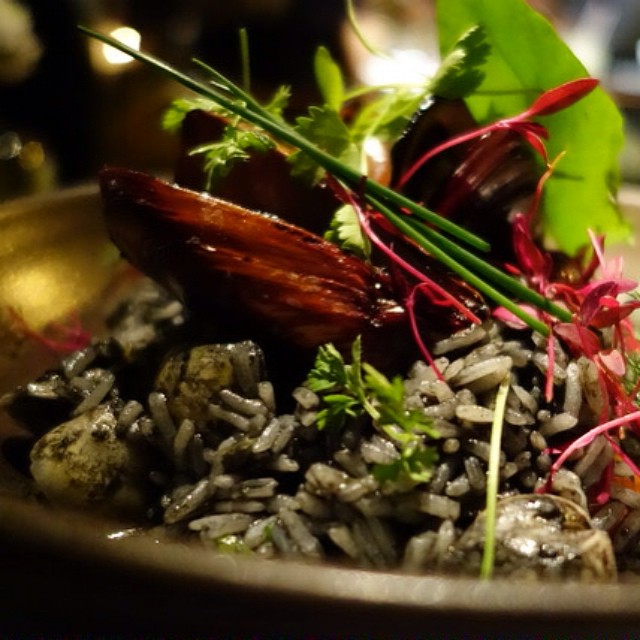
<point>174,115</point>
<point>413,467</point>
<point>418,465</point>
<point>324,128</point>
<point>346,232</point>
<point>329,370</point>
<point>387,116</point>
<point>390,403</point>
<point>338,407</point>
<point>460,72</point>
<point>279,101</point>
<point>579,195</point>
<point>329,78</point>
<point>234,146</point>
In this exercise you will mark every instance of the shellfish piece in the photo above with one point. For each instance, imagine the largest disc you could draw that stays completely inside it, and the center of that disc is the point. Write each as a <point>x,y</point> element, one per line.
<point>539,536</point>
<point>193,378</point>
<point>252,272</point>
<point>84,463</point>
<point>479,184</point>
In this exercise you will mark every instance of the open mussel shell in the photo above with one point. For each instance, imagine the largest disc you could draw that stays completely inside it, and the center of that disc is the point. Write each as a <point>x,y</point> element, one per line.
<point>478,184</point>
<point>252,273</point>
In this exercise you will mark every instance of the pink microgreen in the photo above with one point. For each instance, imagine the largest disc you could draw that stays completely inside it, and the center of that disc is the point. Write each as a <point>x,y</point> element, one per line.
<point>560,97</point>
<point>415,330</point>
<point>590,436</point>
<point>510,319</point>
<point>613,361</point>
<point>59,337</point>
<point>533,261</point>
<point>580,339</point>
<point>535,134</point>
<point>551,360</point>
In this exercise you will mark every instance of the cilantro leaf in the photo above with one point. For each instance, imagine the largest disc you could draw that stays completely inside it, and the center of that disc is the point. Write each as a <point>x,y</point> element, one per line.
<point>387,115</point>
<point>329,78</point>
<point>174,115</point>
<point>352,390</point>
<point>390,403</point>
<point>578,196</point>
<point>279,101</point>
<point>460,72</point>
<point>234,145</point>
<point>324,127</point>
<point>345,231</point>
<point>329,370</point>
<point>338,408</point>
<point>415,466</point>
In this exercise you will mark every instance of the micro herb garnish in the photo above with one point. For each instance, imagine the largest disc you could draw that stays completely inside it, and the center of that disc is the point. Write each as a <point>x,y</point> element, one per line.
<point>493,481</point>
<point>374,196</point>
<point>389,108</point>
<point>236,142</point>
<point>345,231</point>
<point>349,391</point>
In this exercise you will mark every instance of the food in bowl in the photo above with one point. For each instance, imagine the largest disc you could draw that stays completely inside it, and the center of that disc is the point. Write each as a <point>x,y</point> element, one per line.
<point>392,373</point>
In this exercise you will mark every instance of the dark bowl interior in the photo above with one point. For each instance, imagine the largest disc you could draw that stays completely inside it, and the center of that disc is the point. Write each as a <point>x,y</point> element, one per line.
<point>69,572</point>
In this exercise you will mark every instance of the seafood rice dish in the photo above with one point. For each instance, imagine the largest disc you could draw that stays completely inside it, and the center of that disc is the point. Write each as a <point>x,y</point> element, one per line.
<point>406,371</point>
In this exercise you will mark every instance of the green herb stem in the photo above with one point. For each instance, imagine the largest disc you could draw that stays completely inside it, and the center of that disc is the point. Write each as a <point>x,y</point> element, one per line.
<point>493,481</point>
<point>507,282</point>
<point>246,59</point>
<point>402,223</point>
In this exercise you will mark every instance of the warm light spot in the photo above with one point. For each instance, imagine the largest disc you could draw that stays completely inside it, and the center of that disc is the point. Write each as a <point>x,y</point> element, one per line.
<point>374,148</point>
<point>403,66</point>
<point>127,36</point>
<point>31,156</point>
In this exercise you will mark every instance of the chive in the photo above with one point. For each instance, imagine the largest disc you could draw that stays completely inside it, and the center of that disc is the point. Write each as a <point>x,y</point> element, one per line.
<point>245,58</point>
<point>401,222</point>
<point>493,481</point>
<point>509,283</point>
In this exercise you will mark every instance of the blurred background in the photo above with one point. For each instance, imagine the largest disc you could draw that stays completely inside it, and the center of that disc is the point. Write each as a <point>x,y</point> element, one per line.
<point>68,105</point>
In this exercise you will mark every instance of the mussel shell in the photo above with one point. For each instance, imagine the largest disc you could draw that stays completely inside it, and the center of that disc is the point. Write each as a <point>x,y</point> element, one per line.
<point>255,274</point>
<point>480,184</point>
<point>539,536</point>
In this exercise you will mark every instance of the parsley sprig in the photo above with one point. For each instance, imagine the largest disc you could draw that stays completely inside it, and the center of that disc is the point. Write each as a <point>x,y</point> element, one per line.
<point>349,391</point>
<point>391,204</point>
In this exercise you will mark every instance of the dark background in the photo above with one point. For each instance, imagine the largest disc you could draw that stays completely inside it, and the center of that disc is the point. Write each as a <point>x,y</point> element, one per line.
<point>80,117</point>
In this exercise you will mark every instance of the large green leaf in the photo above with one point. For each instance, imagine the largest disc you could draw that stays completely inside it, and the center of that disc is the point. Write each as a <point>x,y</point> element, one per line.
<point>527,57</point>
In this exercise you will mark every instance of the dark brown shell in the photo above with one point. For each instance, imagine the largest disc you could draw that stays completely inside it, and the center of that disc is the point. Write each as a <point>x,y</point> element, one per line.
<point>478,185</point>
<point>252,272</point>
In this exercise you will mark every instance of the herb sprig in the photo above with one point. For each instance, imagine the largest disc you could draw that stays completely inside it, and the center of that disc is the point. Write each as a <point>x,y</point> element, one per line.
<point>393,205</point>
<point>349,391</point>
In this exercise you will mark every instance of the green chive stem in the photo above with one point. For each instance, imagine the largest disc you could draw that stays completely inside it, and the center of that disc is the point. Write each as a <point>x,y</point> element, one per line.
<point>468,276</point>
<point>493,481</point>
<point>507,282</point>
